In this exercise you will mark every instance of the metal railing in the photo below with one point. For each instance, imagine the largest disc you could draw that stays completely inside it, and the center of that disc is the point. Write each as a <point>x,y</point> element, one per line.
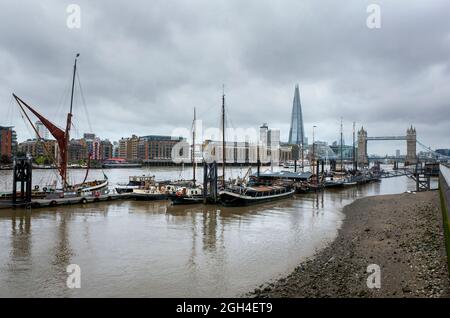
<point>444,190</point>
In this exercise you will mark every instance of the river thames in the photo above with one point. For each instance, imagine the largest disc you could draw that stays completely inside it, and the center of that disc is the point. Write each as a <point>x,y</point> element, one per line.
<point>153,249</point>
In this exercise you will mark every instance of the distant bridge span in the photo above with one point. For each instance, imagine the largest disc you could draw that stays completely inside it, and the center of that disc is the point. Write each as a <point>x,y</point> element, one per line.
<point>387,138</point>
<point>411,140</point>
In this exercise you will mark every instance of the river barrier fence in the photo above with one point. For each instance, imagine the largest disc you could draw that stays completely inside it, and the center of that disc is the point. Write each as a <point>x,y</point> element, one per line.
<point>444,190</point>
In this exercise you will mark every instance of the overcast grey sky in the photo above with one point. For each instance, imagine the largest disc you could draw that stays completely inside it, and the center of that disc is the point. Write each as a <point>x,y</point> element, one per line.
<point>145,64</point>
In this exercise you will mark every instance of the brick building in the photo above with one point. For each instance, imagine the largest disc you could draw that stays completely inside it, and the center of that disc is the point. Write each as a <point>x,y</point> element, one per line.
<point>8,142</point>
<point>39,148</point>
<point>156,147</point>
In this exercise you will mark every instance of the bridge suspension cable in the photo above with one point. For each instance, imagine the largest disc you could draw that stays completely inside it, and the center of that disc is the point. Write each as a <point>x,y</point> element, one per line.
<point>437,154</point>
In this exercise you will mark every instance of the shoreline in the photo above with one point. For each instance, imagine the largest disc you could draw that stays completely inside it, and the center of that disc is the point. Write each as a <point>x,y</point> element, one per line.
<point>401,233</point>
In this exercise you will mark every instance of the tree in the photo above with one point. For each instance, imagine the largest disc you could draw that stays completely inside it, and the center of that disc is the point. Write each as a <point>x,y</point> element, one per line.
<point>20,154</point>
<point>40,160</point>
<point>5,160</point>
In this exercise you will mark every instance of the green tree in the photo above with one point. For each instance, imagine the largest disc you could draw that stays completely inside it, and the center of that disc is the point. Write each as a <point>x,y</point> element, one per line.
<point>5,160</point>
<point>20,154</point>
<point>40,160</point>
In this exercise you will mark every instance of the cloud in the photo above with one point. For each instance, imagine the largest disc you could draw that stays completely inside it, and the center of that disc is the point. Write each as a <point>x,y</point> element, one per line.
<point>145,65</point>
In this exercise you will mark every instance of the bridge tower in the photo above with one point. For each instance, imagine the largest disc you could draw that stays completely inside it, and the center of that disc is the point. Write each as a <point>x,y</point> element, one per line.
<point>362,158</point>
<point>411,142</point>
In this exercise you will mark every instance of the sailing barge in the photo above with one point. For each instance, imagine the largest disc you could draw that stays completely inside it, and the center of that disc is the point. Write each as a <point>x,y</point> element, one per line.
<point>62,137</point>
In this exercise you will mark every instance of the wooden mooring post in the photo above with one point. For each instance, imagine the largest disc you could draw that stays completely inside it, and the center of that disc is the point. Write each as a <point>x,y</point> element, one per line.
<point>210,193</point>
<point>22,173</point>
<point>422,178</point>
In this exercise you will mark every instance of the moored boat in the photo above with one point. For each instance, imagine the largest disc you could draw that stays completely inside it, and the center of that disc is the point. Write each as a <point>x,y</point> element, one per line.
<point>187,195</point>
<point>61,160</point>
<point>249,195</point>
<point>119,163</point>
<point>91,186</point>
<point>134,182</point>
<point>150,194</point>
<point>183,192</point>
<point>35,194</point>
<point>333,183</point>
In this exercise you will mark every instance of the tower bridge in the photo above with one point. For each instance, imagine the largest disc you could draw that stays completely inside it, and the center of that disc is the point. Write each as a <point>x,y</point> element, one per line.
<point>411,144</point>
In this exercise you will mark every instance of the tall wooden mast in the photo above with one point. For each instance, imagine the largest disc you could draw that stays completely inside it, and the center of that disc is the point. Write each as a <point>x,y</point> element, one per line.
<point>353,150</point>
<point>193,148</point>
<point>61,136</point>
<point>223,138</point>
<point>65,159</point>
<point>342,140</point>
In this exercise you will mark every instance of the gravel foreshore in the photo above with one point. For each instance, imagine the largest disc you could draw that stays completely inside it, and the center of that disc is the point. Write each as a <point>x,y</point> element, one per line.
<point>402,234</point>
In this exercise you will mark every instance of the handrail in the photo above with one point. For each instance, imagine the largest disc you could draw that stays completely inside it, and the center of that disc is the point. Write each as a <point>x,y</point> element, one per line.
<point>445,171</point>
<point>444,190</point>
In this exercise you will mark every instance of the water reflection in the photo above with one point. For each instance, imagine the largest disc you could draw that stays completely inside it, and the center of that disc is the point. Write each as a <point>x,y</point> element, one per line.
<point>20,240</point>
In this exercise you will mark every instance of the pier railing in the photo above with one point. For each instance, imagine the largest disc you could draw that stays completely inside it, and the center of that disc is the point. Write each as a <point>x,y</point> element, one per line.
<point>444,190</point>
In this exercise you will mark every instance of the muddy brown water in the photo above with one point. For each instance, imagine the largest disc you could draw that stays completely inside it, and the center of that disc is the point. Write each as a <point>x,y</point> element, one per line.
<point>153,249</point>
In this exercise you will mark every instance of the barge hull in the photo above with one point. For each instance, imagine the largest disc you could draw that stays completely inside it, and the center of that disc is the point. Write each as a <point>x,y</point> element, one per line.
<point>229,200</point>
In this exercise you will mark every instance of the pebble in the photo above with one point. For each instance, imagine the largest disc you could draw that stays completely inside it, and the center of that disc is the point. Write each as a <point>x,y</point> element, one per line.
<point>419,264</point>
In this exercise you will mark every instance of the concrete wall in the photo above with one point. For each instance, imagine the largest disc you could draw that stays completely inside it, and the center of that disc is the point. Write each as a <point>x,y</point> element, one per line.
<point>444,189</point>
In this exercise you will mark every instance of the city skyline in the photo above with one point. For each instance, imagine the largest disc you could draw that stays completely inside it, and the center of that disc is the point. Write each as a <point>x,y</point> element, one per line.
<point>395,145</point>
<point>157,72</point>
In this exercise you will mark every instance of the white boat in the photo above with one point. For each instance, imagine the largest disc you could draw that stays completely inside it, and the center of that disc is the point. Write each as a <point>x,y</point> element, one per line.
<point>153,193</point>
<point>186,195</point>
<point>92,186</point>
<point>135,182</point>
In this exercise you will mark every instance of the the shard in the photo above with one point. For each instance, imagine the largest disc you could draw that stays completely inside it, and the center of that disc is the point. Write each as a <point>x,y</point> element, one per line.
<point>297,132</point>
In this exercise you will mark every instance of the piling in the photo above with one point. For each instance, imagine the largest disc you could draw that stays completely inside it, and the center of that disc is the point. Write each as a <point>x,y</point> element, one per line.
<point>22,173</point>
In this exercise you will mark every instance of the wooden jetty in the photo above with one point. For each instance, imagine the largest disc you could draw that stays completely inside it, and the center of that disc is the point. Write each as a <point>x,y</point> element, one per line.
<point>53,202</point>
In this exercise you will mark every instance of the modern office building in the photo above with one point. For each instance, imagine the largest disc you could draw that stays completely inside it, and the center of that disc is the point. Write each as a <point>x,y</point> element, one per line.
<point>444,152</point>
<point>115,150</point>
<point>41,131</point>
<point>297,131</point>
<point>270,138</point>
<point>345,150</point>
<point>106,149</point>
<point>323,151</point>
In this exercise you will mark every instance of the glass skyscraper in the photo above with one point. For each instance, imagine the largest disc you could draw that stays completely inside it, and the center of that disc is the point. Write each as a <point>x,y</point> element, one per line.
<point>297,132</point>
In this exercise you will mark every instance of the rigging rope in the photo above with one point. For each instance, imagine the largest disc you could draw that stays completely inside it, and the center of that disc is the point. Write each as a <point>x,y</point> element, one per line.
<point>63,102</point>
<point>37,140</point>
<point>83,100</point>
<point>10,110</point>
